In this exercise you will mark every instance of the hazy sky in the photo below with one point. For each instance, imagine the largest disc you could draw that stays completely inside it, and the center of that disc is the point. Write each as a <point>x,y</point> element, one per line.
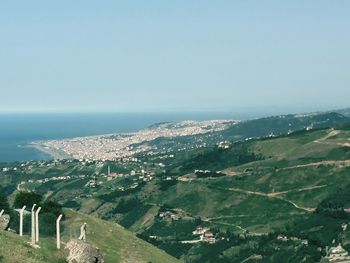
<point>174,55</point>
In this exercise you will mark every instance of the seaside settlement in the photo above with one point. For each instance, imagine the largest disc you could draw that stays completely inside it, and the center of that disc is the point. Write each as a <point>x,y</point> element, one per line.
<point>114,146</point>
<point>118,164</point>
<point>124,177</point>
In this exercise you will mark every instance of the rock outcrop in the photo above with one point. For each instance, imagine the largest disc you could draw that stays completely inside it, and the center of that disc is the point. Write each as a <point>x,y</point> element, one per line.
<point>4,221</point>
<point>81,252</point>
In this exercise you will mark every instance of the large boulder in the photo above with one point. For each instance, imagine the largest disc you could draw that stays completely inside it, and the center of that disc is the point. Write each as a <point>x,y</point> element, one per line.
<point>4,221</point>
<point>81,252</point>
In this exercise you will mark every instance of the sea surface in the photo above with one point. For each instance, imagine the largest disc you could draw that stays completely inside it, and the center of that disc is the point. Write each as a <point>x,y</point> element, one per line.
<point>18,130</point>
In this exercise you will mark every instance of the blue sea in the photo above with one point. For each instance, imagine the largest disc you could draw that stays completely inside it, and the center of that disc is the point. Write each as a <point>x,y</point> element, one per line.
<point>17,130</point>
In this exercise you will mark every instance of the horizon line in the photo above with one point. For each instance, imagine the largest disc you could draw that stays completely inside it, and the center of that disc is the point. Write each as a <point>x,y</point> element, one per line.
<point>239,110</point>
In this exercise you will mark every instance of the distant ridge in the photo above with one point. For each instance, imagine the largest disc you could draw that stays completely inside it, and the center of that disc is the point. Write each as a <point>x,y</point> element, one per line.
<point>284,124</point>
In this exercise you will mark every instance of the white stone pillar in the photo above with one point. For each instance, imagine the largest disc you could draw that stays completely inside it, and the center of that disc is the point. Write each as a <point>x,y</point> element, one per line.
<point>37,224</point>
<point>33,225</point>
<point>58,232</point>
<point>1,212</point>
<point>21,220</point>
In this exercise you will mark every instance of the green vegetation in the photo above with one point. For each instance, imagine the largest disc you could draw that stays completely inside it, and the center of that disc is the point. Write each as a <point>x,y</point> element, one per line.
<point>336,204</point>
<point>14,249</point>
<point>117,194</point>
<point>114,242</point>
<point>282,194</point>
<point>217,159</point>
<point>49,212</point>
<point>26,198</point>
<point>4,203</point>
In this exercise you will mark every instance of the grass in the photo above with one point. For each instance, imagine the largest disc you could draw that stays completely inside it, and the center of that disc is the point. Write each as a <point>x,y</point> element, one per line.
<point>15,249</point>
<point>135,214</point>
<point>115,243</point>
<point>289,163</point>
<point>278,172</point>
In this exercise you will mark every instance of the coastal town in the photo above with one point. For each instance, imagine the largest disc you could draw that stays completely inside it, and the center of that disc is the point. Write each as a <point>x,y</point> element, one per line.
<point>116,146</point>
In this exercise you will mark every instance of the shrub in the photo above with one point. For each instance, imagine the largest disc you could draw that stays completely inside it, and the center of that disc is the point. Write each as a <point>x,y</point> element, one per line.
<point>26,198</point>
<point>126,205</point>
<point>47,218</point>
<point>4,204</point>
<point>331,208</point>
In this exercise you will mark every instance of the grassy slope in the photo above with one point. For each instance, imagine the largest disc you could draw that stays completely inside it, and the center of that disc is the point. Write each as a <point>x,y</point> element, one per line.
<point>291,163</point>
<point>14,249</point>
<point>212,198</point>
<point>115,243</point>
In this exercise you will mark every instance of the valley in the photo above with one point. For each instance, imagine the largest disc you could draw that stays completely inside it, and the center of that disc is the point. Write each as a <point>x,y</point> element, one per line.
<point>218,203</point>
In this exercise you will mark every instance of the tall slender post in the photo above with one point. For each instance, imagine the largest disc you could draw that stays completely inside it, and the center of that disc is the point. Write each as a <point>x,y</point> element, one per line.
<point>33,225</point>
<point>21,221</point>
<point>37,224</point>
<point>1,212</point>
<point>58,232</point>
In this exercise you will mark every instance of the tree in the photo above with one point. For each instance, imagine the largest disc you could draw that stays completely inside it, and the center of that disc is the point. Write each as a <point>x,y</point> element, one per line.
<point>51,207</point>
<point>332,208</point>
<point>27,199</point>
<point>4,204</point>
<point>47,224</point>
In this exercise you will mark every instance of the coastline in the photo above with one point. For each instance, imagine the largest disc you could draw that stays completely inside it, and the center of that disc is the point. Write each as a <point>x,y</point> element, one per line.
<point>25,136</point>
<point>52,152</point>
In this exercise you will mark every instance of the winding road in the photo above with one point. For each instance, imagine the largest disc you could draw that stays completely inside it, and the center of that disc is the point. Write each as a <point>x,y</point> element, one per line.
<point>276,195</point>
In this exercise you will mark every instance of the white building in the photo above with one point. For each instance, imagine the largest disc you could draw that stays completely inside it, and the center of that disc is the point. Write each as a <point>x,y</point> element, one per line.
<point>337,255</point>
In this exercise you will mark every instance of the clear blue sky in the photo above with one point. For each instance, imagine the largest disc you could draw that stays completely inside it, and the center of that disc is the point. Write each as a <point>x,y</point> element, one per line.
<point>174,55</point>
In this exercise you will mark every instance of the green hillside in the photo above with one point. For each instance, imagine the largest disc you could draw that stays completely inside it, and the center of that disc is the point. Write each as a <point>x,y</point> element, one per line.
<point>248,194</point>
<point>14,249</point>
<point>276,189</point>
<point>294,174</point>
<point>115,243</point>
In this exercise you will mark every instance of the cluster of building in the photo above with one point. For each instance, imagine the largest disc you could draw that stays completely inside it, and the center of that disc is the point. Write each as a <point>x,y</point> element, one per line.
<point>175,214</point>
<point>113,147</point>
<point>30,165</point>
<point>336,255</point>
<point>54,178</point>
<point>24,166</point>
<point>169,215</point>
<point>93,183</point>
<point>285,238</point>
<point>224,144</point>
<point>199,171</point>
<point>205,234</point>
